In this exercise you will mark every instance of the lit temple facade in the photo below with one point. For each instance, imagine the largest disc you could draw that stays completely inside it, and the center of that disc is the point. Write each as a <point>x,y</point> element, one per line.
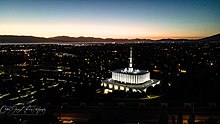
<point>129,79</point>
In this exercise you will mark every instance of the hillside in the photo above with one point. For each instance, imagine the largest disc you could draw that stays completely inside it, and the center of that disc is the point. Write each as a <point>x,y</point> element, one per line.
<point>211,38</point>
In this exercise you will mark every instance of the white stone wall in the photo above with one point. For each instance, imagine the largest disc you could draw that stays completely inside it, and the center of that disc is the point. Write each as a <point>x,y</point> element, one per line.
<point>127,78</point>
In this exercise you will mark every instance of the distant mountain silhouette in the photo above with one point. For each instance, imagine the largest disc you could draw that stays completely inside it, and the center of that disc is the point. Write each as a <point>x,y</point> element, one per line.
<point>169,39</point>
<point>92,39</point>
<point>21,39</point>
<point>60,39</point>
<point>76,39</point>
<point>211,38</point>
<point>32,39</point>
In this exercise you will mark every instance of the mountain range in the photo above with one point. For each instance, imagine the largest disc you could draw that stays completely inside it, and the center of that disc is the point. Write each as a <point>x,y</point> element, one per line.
<point>60,39</point>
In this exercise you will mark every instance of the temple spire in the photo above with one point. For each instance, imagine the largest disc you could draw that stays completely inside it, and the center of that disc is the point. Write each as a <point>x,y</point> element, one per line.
<point>130,69</point>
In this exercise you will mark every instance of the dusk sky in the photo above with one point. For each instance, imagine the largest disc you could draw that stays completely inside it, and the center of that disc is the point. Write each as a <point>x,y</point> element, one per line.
<point>152,19</point>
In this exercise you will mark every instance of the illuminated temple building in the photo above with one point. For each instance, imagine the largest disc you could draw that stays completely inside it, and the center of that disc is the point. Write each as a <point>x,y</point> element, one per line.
<point>129,79</point>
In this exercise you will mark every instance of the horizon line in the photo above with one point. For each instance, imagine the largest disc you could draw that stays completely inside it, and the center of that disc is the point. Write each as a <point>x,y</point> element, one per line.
<point>150,38</point>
